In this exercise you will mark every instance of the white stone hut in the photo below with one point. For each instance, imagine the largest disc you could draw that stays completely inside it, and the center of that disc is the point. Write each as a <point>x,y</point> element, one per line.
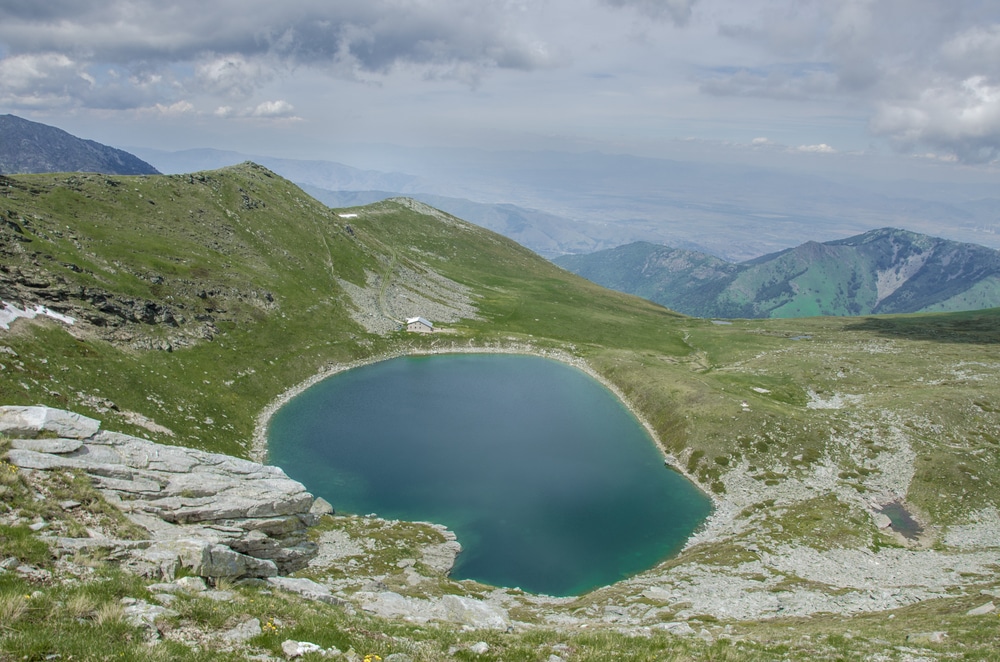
<point>419,325</point>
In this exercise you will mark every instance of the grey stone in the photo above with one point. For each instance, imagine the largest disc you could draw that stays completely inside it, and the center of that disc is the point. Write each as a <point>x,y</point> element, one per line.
<point>205,559</point>
<point>143,614</point>
<point>479,648</point>
<point>451,608</point>
<point>29,459</point>
<point>441,557</point>
<point>321,507</point>
<point>678,628</point>
<point>882,520</point>
<point>243,632</point>
<point>927,637</point>
<point>31,421</point>
<point>98,455</point>
<point>393,605</point>
<point>293,649</point>
<point>474,613</point>
<point>982,610</point>
<point>56,446</point>
<point>33,574</point>
<point>398,657</point>
<point>146,487</point>
<point>195,584</point>
<point>219,596</point>
<point>307,588</point>
<point>248,516</point>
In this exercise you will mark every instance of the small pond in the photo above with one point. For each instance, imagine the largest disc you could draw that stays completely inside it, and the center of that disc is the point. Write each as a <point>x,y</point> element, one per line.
<point>549,482</point>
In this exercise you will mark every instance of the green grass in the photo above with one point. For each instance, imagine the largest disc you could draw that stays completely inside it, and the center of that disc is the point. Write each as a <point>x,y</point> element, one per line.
<point>253,256</point>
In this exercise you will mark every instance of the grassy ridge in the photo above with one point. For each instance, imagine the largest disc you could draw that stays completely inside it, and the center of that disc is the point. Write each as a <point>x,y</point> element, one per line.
<point>261,262</point>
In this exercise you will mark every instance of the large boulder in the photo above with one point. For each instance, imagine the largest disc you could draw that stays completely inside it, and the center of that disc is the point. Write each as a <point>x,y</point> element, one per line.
<point>29,422</point>
<point>217,515</point>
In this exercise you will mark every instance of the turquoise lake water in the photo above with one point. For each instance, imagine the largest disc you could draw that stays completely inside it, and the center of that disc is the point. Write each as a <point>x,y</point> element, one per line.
<point>549,482</point>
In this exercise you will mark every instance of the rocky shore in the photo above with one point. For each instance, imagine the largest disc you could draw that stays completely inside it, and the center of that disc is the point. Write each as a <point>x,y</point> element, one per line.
<point>216,517</point>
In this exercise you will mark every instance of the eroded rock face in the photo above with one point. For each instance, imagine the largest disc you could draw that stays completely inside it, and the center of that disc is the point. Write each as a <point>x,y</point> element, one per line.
<point>217,515</point>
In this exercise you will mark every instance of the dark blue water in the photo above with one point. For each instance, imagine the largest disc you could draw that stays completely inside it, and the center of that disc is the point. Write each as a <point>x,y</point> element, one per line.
<point>547,479</point>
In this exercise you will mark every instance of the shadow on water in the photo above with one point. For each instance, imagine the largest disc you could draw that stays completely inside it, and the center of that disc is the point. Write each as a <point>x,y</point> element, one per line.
<point>980,327</point>
<point>902,522</point>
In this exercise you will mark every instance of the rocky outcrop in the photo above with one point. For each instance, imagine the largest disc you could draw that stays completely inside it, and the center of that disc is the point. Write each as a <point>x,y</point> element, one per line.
<point>216,515</point>
<point>466,611</point>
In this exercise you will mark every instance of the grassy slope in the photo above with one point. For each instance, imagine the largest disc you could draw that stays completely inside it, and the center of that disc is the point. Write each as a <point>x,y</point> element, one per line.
<point>239,233</point>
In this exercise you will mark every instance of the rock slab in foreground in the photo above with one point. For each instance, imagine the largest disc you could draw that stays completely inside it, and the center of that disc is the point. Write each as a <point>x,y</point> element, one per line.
<point>450,608</point>
<point>217,515</point>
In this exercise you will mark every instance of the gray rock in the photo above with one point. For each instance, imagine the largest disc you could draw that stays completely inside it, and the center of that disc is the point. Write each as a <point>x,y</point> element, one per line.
<point>143,614</point>
<point>56,446</point>
<point>293,649</point>
<point>194,584</point>
<point>33,574</point>
<point>927,637</point>
<point>255,511</point>
<point>441,557</point>
<point>31,421</point>
<point>243,632</point>
<point>678,628</point>
<point>451,608</point>
<point>882,520</point>
<point>398,657</point>
<point>321,507</point>
<point>219,596</point>
<point>982,610</point>
<point>306,588</point>
<point>203,558</point>
<point>479,648</point>
<point>474,613</point>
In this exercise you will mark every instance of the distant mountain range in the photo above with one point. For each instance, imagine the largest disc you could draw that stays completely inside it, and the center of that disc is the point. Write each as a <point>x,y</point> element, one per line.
<point>878,272</point>
<point>556,203</point>
<point>30,147</point>
<point>340,185</point>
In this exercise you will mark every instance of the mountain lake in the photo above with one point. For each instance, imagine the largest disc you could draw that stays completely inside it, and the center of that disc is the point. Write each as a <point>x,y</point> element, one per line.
<point>549,482</point>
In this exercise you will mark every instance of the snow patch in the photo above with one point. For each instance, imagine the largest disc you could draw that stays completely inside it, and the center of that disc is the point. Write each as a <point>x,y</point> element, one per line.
<point>10,312</point>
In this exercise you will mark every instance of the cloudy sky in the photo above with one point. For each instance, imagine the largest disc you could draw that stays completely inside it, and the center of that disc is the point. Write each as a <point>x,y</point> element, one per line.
<point>836,79</point>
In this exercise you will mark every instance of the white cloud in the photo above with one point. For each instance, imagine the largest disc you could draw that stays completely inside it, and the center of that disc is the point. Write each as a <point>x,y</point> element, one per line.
<point>921,74</point>
<point>679,11</point>
<point>231,75</point>
<point>174,109</point>
<point>43,79</point>
<point>279,108</point>
<point>822,148</point>
<point>962,118</point>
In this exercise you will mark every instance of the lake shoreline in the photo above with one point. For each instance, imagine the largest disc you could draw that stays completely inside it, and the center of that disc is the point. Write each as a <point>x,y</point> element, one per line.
<point>258,450</point>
